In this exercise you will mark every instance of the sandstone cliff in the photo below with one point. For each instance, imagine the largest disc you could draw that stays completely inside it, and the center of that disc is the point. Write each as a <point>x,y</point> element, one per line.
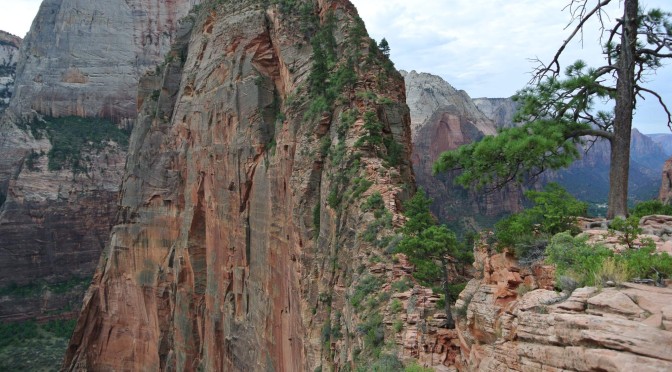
<point>443,119</point>
<point>9,54</point>
<point>265,173</point>
<point>665,194</point>
<point>513,320</point>
<point>84,59</point>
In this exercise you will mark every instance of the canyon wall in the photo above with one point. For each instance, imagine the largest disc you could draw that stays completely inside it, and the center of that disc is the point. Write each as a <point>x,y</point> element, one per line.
<point>9,55</point>
<point>443,119</point>
<point>80,59</point>
<point>264,179</point>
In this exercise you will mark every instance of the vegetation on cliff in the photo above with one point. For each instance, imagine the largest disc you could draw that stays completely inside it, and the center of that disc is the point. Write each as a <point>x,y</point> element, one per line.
<point>71,138</point>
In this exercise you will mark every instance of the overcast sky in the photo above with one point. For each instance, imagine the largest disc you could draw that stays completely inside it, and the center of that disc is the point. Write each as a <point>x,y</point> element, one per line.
<point>480,46</point>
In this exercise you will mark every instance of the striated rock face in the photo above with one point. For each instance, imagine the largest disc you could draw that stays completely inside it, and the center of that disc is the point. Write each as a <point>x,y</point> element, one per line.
<point>241,230</point>
<point>499,110</point>
<point>84,58</point>
<point>80,58</point>
<point>443,119</point>
<point>9,54</point>
<point>505,328</point>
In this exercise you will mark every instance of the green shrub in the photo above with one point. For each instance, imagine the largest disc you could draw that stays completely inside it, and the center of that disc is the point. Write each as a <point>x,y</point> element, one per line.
<point>374,202</point>
<point>373,331</point>
<point>629,229</point>
<point>415,367</point>
<point>644,263</point>
<point>402,285</point>
<point>396,306</point>
<point>651,207</point>
<point>366,286</point>
<point>554,211</point>
<point>575,258</point>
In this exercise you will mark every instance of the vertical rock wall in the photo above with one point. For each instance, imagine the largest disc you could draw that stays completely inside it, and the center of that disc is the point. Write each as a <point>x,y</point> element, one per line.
<point>241,231</point>
<point>80,58</point>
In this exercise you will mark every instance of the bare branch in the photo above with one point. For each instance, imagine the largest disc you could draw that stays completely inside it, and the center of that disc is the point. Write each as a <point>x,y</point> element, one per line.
<point>554,66</point>
<point>662,103</point>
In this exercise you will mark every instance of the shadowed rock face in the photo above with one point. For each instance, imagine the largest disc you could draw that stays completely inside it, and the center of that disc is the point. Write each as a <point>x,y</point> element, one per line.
<point>444,119</point>
<point>80,58</point>
<point>9,54</point>
<point>239,233</point>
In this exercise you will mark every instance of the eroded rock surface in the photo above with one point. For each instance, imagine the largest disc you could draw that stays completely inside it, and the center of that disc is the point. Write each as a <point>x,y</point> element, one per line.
<point>511,323</point>
<point>241,233</point>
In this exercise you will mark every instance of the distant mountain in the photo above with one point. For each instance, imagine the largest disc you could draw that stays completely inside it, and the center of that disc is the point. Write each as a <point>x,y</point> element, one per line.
<point>444,118</point>
<point>664,140</point>
<point>9,55</point>
<point>588,178</point>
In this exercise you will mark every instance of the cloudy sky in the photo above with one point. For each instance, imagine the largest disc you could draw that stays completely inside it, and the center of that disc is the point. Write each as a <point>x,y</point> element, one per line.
<point>480,46</point>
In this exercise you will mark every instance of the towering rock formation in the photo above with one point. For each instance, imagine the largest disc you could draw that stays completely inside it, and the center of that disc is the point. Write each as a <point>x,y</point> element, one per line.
<point>264,174</point>
<point>58,191</point>
<point>665,194</point>
<point>443,119</point>
<point>9,54</point>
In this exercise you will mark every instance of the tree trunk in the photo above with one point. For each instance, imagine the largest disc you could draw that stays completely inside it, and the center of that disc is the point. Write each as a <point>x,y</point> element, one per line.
<point>450,322</point>
<point>625,102</point>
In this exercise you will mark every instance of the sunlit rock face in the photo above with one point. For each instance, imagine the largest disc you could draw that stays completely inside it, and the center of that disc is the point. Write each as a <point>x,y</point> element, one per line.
<point>9,55</point>
<point>442,119</point>
<point>513,319</point>
<point>84,59</point>
<point>240,234</point>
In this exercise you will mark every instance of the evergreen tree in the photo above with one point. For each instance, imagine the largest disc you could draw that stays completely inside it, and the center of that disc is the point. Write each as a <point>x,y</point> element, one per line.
<point>558,114</point>
<point>428,247</point>
<point>384,47</point>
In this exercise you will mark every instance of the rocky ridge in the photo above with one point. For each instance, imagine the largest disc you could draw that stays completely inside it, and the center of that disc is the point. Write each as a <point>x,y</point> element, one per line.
<point>514,321</point>
<point>255,199</point>
<point>9,53</point>
<point>443,119</point>
<point>55,220</point>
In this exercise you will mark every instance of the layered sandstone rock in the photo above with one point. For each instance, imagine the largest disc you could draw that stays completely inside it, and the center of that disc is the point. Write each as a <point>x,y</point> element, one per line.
<point>80,58</point>
<point>513,321</point>
<point>243,229</point>
<point>9,55</point>
<point>443,119</point>
<point>665,194</point>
